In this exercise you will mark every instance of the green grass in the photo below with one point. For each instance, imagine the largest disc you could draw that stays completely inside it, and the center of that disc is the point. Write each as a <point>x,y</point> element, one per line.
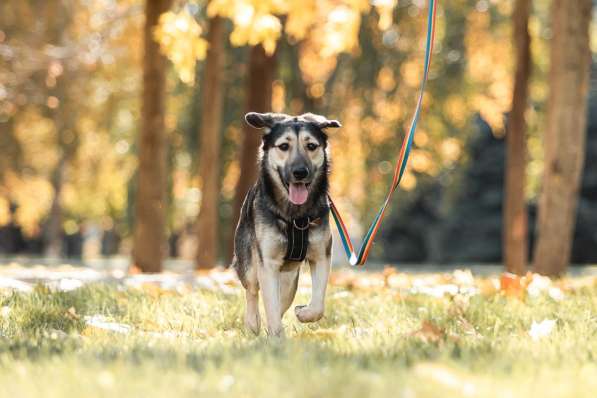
<point>370,343</point>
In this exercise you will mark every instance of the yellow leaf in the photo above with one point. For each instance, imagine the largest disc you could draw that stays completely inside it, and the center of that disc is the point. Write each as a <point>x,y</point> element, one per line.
<point>180,40</point>
<point>385,8</point>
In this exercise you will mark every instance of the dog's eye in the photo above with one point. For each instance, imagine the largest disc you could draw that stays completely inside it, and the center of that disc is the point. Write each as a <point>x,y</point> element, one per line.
<point>284,147</point>
<point>311,146</point>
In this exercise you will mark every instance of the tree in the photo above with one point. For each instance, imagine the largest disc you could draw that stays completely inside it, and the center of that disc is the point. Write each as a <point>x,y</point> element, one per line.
<point>64,121</point>
<point>565,134</point>
<point>150,200</point>
<point>515,213</point>
<point>262,70</point>
<point>67,142</point>
<point>210,145</point>
<point>57,133</point>
<point>63,113</point>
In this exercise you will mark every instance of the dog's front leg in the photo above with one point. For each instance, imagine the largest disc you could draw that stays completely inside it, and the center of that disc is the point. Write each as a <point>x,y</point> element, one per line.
<point>320,271</point>
<point>269,281</point>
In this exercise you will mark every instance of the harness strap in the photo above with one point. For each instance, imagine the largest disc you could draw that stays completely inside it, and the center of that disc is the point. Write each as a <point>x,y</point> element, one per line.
<point>298,239</point>
<point>361,257</point>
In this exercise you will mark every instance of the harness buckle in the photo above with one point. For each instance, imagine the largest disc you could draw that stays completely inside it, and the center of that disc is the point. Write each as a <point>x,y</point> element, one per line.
<point>307,225</point>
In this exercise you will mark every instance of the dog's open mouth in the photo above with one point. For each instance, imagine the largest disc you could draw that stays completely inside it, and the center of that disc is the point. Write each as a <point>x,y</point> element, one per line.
<point>298,193</point>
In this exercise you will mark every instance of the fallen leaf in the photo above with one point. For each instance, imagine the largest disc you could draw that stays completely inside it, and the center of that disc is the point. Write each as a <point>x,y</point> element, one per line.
<point>72,313</point>
<point>463,277</point>
<point>100,322</point>
<point>511,286</point>
<point>538,284</point>
<point>429,332</point>
<point>541,329</point>
<point>556,293</point>
<point>134,270</point>
<point>69,284</point>
<point>489,286</point>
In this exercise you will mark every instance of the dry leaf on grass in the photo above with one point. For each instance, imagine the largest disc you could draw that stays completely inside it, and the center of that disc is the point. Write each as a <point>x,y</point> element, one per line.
<point>100,322</point>
<point>134,270</point>
<point>489,286</point>
<point>541,329</point>
<point>72,313</point>
<point>429,332</point>
<point>512,285</point>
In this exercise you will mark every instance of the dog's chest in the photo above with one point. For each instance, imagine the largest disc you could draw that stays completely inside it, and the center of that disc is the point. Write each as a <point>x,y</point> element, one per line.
<point>276,243</point>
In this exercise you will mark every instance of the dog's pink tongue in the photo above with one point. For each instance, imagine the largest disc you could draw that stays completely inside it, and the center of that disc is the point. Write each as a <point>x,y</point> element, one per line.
<point>298,193</point>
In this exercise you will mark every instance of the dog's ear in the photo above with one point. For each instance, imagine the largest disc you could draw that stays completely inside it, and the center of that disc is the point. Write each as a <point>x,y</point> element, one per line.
<point>320,121</point>
<point>264,120</point>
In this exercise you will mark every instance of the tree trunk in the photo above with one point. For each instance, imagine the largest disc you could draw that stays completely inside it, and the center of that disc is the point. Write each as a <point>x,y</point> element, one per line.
<point>68,142</point>
<point>262,70</point>
<point>515,232</point>
<point>149,236</point>
<point>64,118</point>
<point>209,149</point>
<point>565,134</point>
<point>53,231</point>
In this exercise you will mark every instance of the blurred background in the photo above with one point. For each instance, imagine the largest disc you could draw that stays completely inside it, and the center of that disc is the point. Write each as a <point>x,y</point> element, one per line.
<point>122,133</point>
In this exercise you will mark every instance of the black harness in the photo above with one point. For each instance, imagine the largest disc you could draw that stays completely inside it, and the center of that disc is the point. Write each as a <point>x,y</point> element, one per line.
<point>298,238</point>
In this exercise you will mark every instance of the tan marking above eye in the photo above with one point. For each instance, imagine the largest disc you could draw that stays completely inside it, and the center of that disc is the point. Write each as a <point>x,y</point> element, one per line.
<point>286,138</point>
<point>306,137</point>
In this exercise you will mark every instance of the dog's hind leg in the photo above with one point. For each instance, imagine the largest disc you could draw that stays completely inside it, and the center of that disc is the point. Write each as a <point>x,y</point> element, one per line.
<point>288,284</point>
<point>252,318</point>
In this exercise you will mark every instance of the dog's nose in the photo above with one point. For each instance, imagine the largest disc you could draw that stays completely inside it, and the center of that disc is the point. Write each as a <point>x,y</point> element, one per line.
<point>300,173</point>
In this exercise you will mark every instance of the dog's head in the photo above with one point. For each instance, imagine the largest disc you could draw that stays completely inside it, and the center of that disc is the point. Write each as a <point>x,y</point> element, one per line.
<point>294,150</point>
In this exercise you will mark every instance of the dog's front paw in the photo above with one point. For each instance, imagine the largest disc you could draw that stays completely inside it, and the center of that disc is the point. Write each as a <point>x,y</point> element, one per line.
<point>276,333</point>
<point>306,313</point>
<point>253,322</point>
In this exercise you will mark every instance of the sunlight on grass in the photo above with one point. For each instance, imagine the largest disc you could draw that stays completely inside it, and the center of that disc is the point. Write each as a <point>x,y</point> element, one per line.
<point>371,342</point>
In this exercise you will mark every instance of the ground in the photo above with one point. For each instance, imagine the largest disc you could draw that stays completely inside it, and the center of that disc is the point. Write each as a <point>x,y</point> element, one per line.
<point>385,334</point>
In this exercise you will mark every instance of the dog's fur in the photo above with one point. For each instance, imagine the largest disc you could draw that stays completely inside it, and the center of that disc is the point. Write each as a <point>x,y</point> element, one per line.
<point>261,235</point>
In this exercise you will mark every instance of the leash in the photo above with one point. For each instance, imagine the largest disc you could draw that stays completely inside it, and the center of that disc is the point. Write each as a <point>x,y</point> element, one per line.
<point>360,258</point>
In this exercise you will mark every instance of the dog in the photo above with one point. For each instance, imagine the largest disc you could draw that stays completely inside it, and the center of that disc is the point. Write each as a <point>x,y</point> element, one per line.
<point>284,219</point>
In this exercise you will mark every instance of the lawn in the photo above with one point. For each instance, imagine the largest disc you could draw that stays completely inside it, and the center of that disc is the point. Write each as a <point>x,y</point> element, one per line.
<point>383,335</point>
